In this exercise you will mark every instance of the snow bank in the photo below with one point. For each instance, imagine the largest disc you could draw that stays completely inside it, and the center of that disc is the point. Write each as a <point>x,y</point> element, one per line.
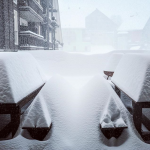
<point>19,76</point>
<point>70,64</point>
<point>132,75</point>
<point>113,62</point>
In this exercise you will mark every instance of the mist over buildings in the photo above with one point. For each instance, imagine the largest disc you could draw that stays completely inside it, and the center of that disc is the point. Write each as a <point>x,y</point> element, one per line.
<point>102,26</point>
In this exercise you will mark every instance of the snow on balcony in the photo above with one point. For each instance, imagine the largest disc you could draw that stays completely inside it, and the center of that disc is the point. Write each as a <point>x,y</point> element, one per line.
<point>30,40</point>
<point>113,62</point>
<point>20,75</point>
<point>132,76</point>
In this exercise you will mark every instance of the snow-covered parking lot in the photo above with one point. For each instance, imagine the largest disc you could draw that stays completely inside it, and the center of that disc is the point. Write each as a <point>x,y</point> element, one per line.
<point>76,96</point>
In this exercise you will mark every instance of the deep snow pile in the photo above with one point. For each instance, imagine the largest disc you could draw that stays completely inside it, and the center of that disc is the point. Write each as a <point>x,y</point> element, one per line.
<point>19,76</point>
<point>113,61</point>
<point>132,75</point>
<point>75,105</point>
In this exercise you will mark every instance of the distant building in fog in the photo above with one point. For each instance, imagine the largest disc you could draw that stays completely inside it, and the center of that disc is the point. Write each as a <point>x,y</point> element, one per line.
<point>100,32</point>
<point>134,33</point>
<point>75,40</point>
<point>99,22</point>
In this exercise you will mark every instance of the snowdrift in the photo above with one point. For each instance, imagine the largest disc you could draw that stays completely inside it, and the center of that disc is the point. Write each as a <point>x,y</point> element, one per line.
<point>132,75</point>
<point>19,76</point>
<point>113,61</point>
<point>71,64</point>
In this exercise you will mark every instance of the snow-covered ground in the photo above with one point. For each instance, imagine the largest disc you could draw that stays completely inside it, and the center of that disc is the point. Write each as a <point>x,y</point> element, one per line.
<point>77,96</point>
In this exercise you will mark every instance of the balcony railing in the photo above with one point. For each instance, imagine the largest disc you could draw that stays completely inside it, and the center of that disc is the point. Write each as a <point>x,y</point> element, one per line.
<point>27,28</point>
<point>31,5</point>
<point>30,40</point>
<point>24,28</point>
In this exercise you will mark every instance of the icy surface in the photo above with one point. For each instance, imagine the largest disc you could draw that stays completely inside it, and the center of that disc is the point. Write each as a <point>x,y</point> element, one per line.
<point>19,76</point>
<point>132,75</point>
<point>113,62</point>
<point>75,106</point>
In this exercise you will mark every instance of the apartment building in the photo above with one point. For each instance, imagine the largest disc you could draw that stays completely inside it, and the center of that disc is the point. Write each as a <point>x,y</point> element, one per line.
<point>30,25</point>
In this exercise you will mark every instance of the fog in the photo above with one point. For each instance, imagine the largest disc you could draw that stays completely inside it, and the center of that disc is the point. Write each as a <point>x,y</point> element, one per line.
<point>105,25</point>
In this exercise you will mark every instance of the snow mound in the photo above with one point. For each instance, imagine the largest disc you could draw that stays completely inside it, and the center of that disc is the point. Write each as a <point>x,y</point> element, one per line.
<point>113,62</point>
<point>38,115</point>
<point>19,76</point>
<point>112,117</point>
<point>132,75</point>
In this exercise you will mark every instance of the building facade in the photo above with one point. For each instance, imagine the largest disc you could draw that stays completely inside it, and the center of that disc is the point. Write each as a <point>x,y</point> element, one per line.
<point>29,25</point>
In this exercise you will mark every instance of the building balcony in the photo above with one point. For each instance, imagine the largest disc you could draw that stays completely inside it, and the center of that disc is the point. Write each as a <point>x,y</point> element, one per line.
<point>53,10</point>
<point>31,10</point>
<point>45,21</point>
<point>29,40</point>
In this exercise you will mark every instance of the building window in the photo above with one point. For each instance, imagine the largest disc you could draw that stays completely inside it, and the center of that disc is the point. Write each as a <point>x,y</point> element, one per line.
<point>16,26</point>
<point>15,1</point>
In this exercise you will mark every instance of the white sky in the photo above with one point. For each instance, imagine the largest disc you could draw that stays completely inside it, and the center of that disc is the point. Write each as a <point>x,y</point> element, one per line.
<point>73,12</point>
